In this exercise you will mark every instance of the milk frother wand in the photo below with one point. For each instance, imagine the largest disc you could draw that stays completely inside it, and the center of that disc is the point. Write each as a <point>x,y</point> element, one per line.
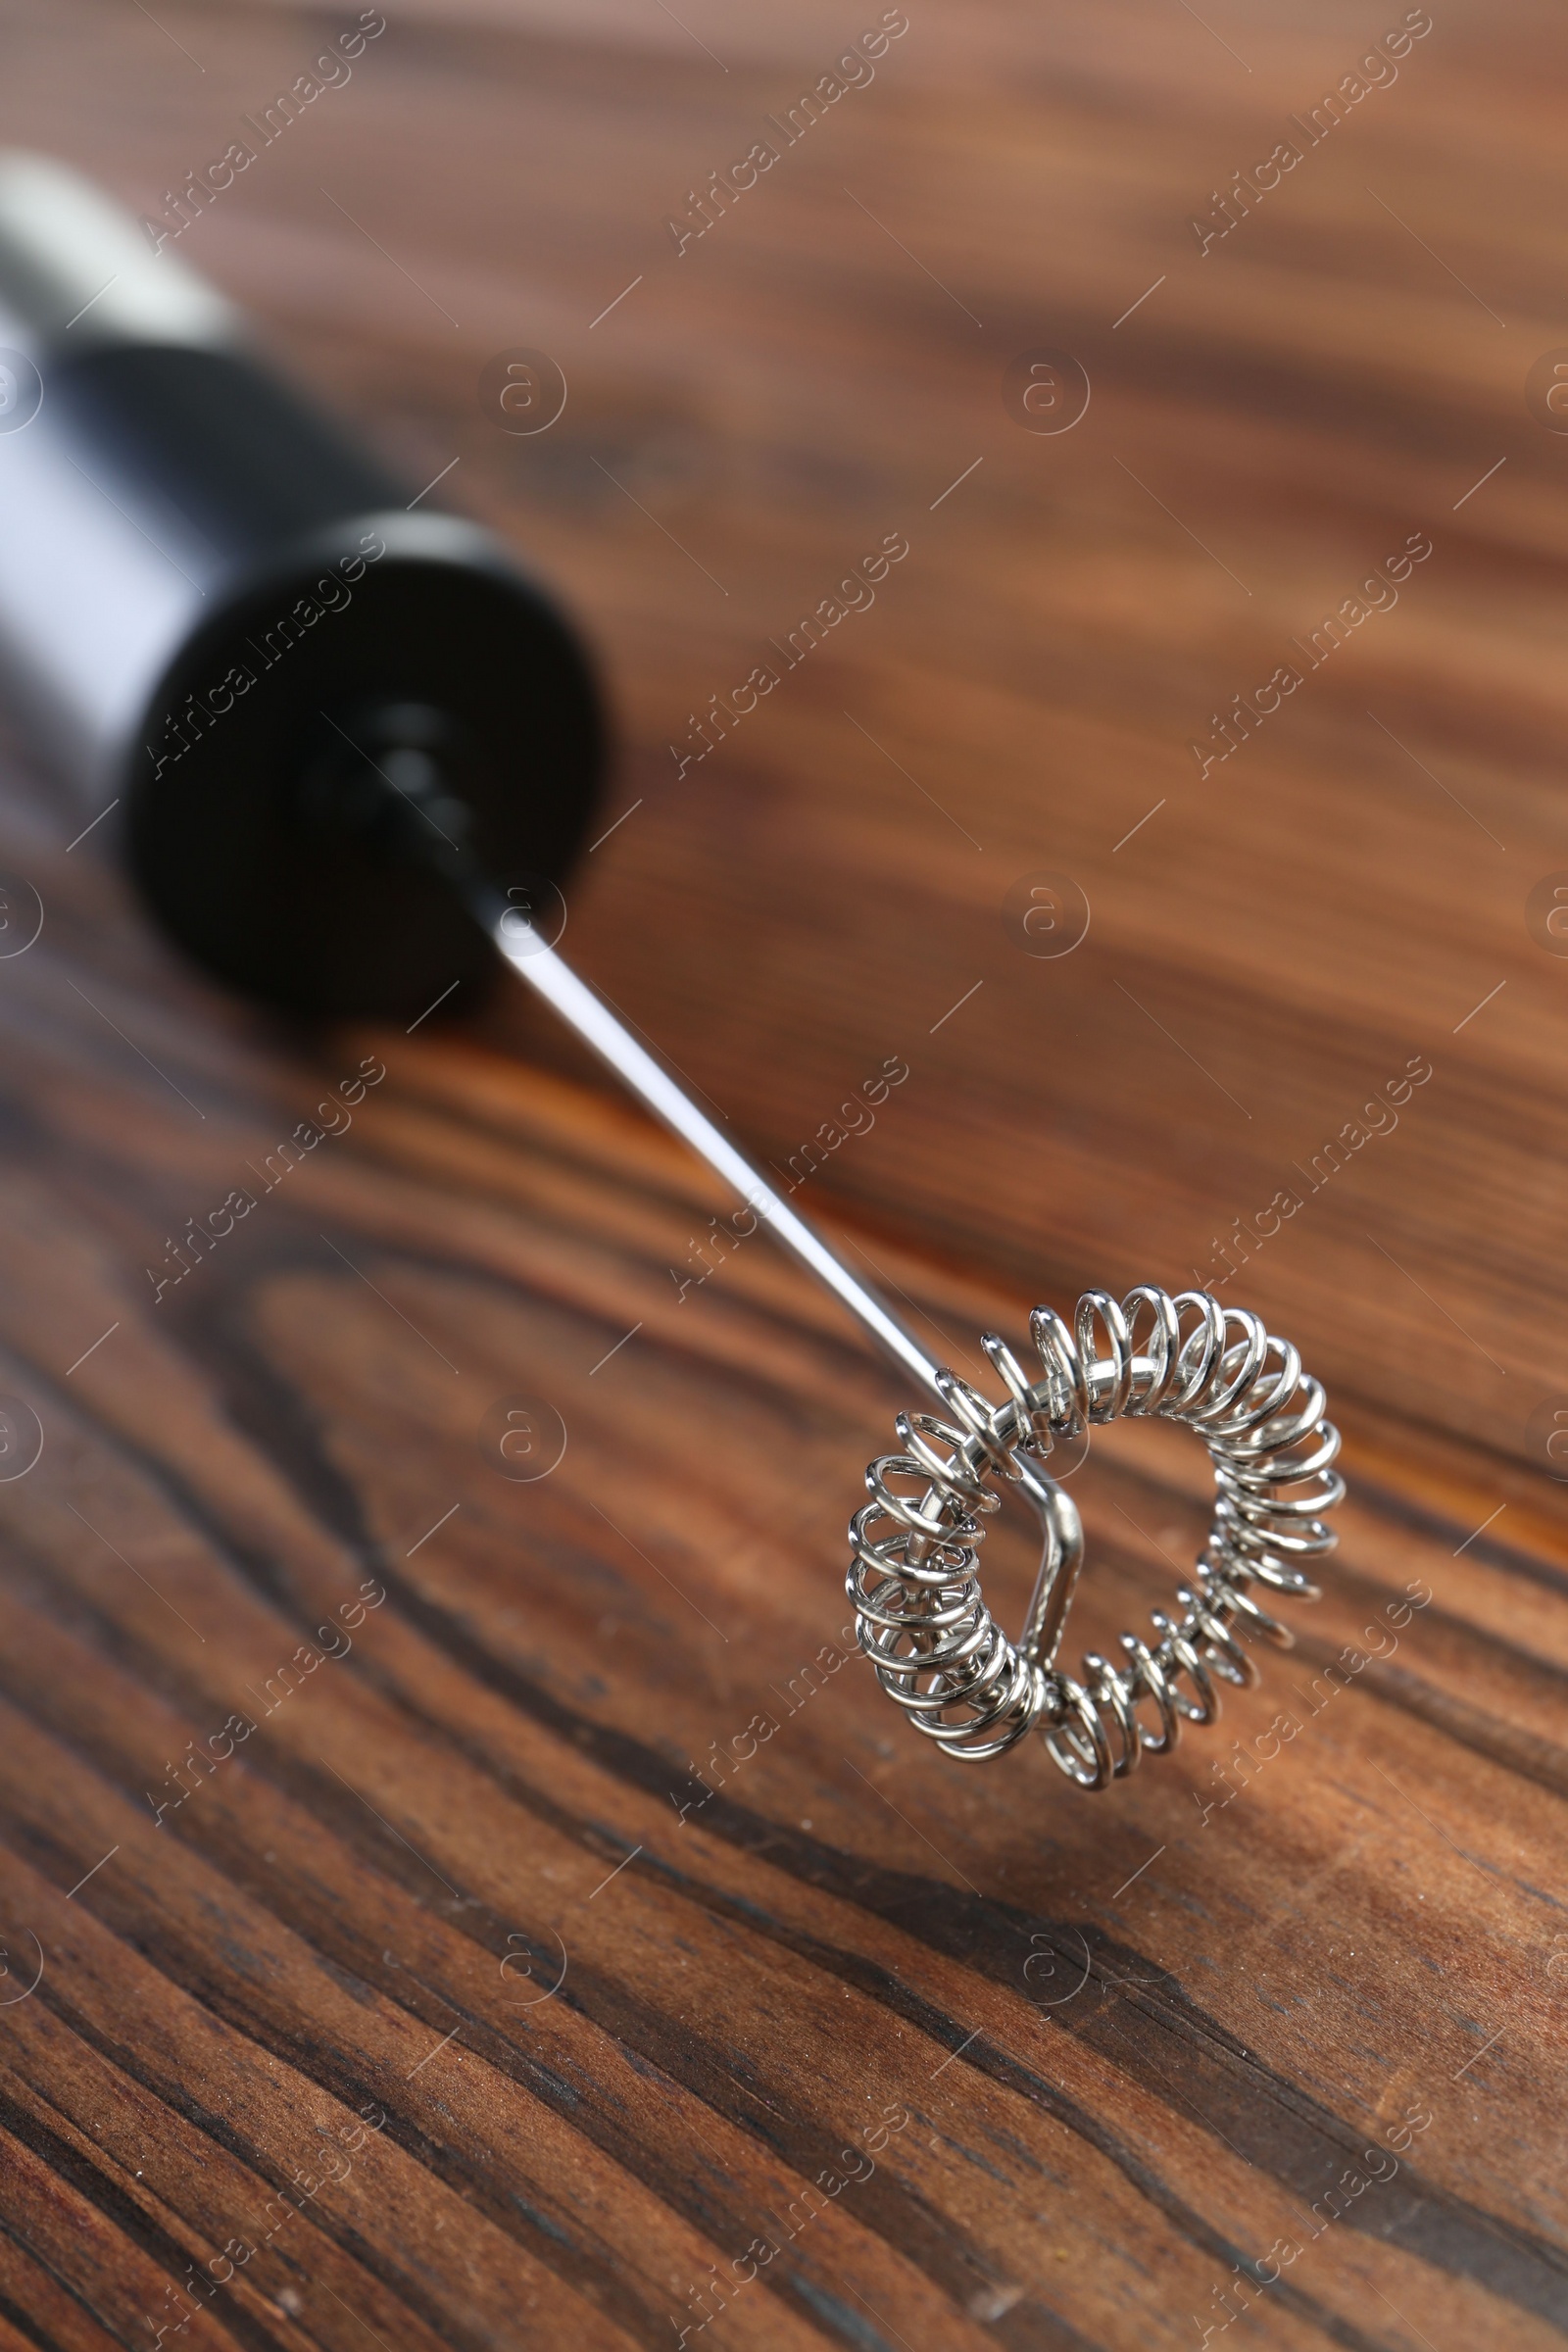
<point>355,748</point>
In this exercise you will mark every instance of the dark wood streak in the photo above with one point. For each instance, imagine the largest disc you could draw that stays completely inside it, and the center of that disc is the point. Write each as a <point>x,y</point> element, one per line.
<point>1501,1743</point>
<point>1414,1511</point>
<point>69,2161</point>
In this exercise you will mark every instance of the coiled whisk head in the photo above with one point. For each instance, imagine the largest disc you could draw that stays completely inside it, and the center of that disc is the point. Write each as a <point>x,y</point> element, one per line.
<point>914,1579</point>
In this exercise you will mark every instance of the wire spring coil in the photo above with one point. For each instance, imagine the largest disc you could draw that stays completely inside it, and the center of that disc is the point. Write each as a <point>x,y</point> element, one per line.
<point>913,1578</point>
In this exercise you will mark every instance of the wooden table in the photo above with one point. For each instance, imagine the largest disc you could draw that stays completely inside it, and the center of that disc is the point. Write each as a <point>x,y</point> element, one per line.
<point>398,1983</point>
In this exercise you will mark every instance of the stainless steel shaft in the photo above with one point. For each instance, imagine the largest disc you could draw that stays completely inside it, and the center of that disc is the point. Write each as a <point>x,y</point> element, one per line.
<point>551,977</point>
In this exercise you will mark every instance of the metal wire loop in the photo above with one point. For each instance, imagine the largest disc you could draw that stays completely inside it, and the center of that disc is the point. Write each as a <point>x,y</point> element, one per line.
<point>914,1577</point>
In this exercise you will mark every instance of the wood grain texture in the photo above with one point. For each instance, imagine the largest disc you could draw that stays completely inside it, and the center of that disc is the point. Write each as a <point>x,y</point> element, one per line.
<point>440,2008</point>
